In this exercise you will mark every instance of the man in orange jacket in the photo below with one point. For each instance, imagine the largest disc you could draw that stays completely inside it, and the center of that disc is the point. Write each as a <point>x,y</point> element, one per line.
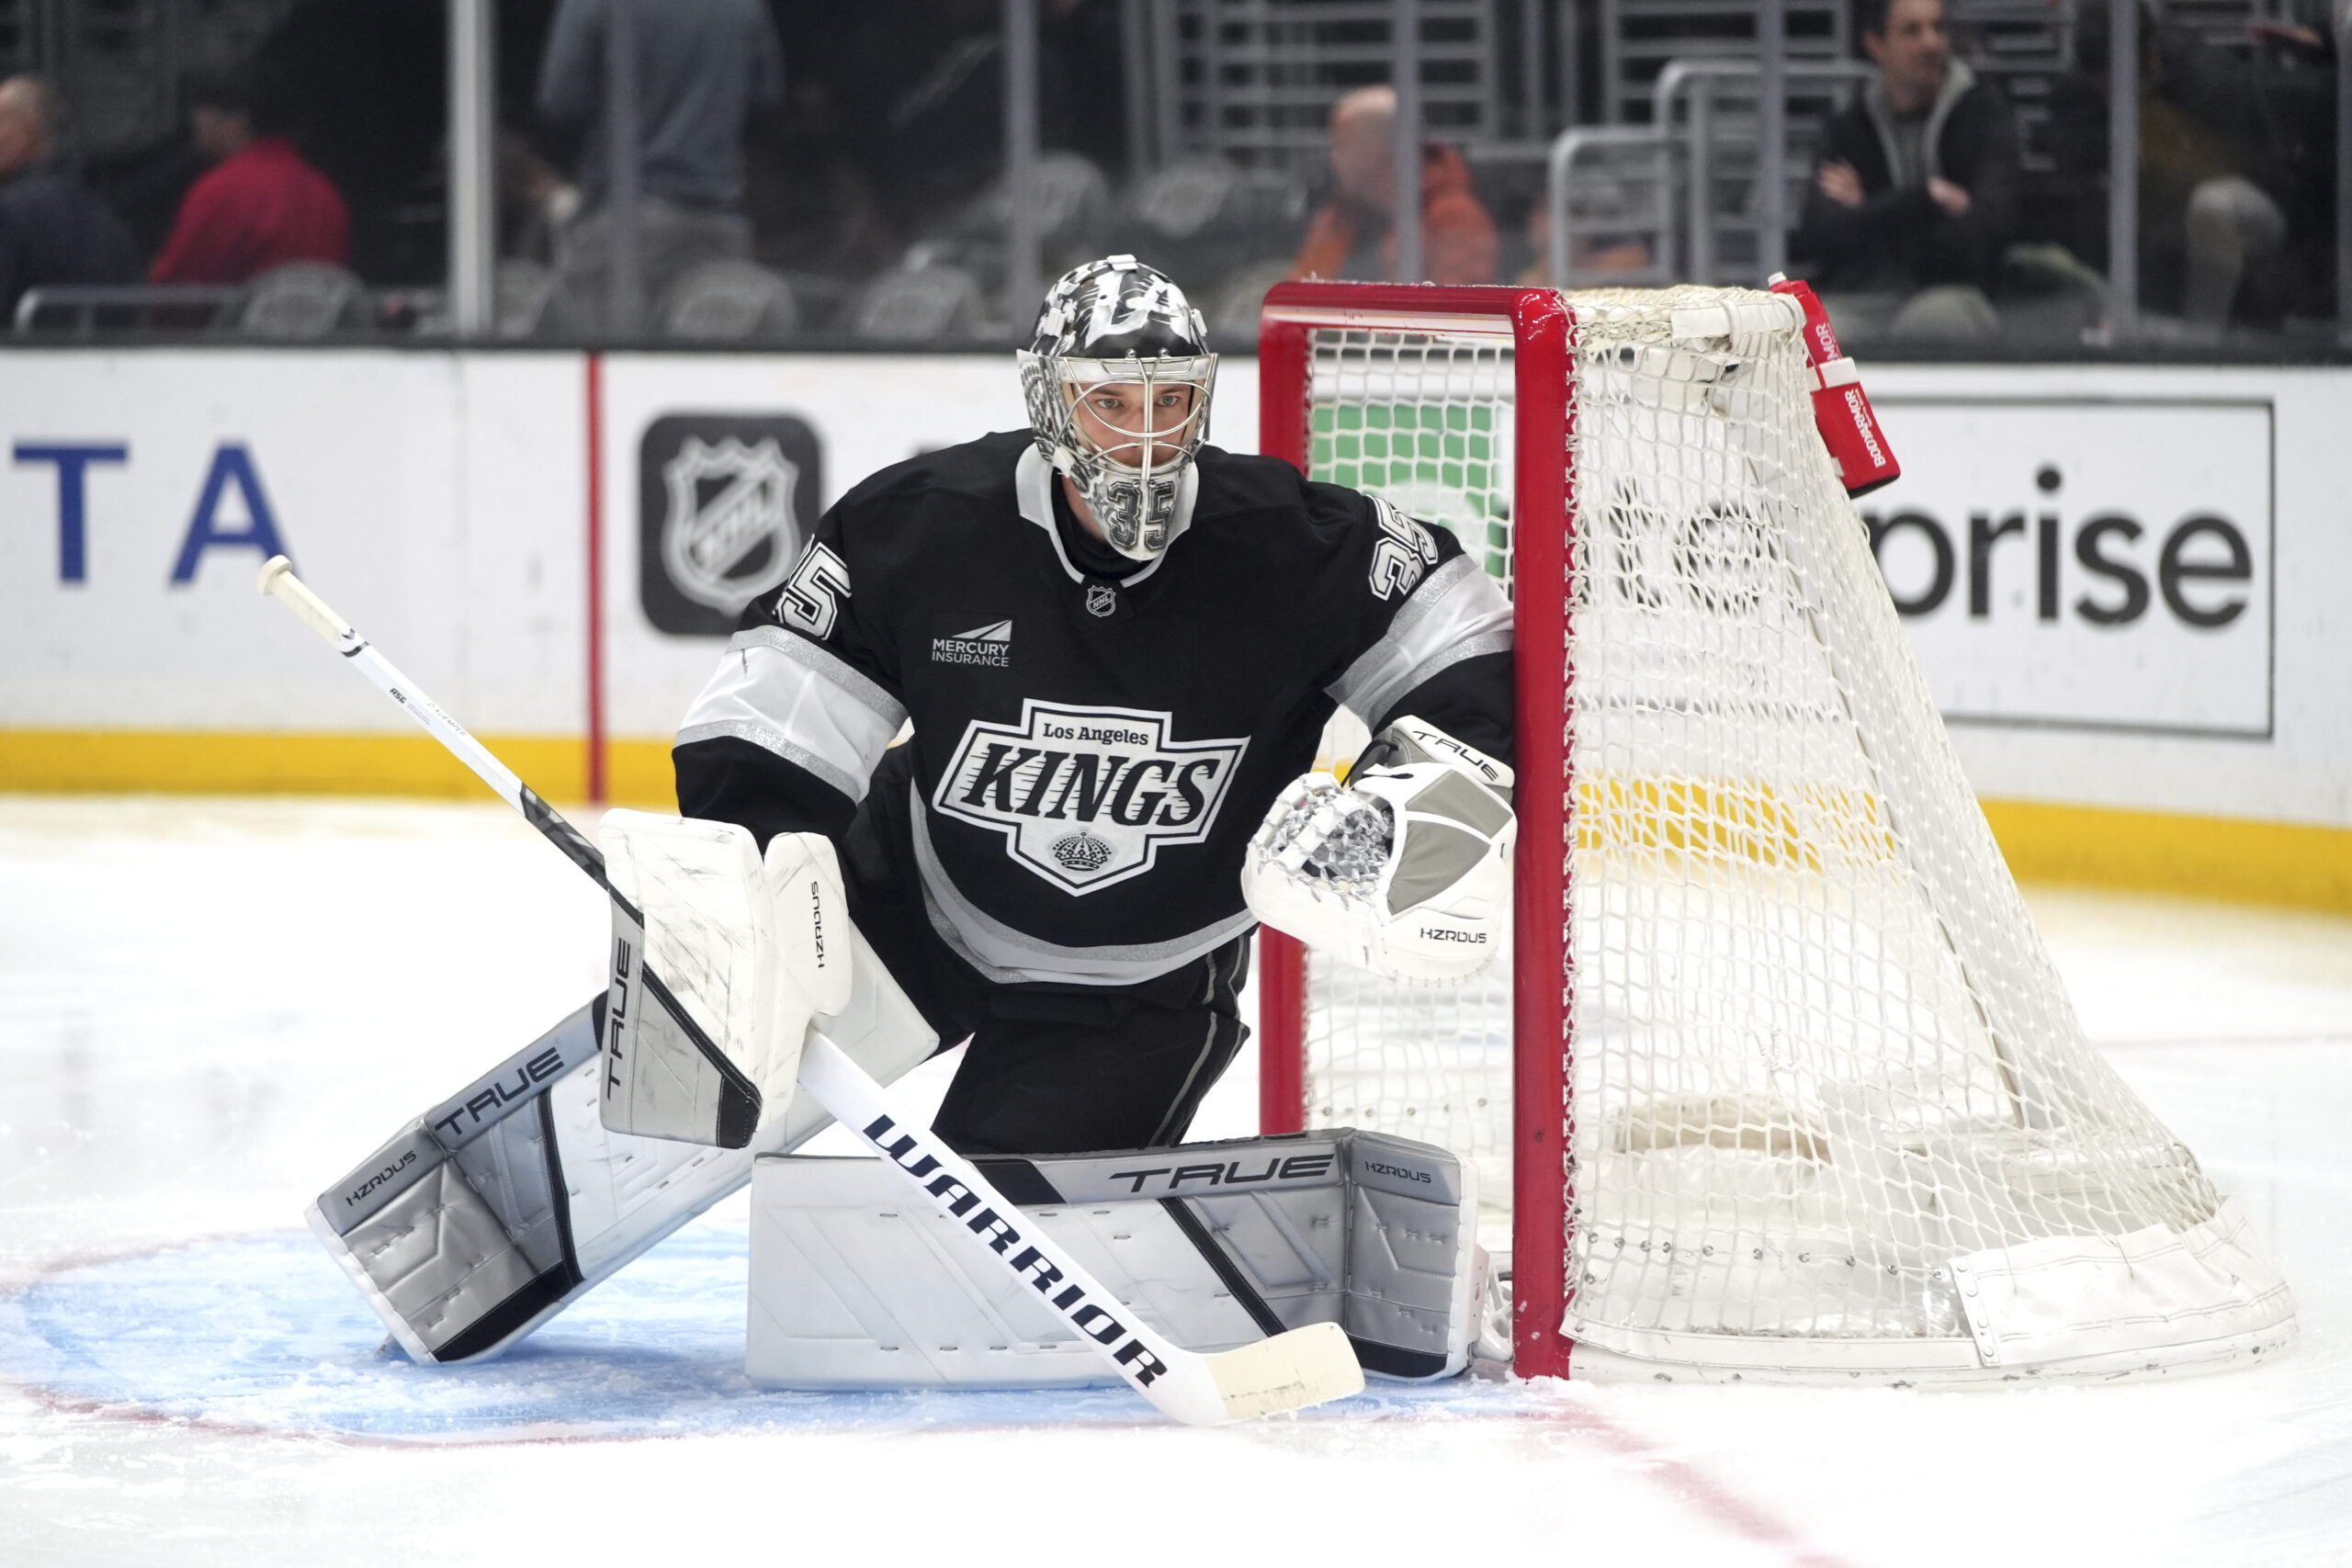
<point>1354,237</point>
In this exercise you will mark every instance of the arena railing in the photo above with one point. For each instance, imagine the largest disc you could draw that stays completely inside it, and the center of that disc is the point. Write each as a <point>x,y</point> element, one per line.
<point>197,305</point>
<point>1692,255</point>
<point>113,311</point>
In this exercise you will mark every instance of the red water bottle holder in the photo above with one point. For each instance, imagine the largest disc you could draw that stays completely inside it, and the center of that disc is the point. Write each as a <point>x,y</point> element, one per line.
<point>1842,410</point>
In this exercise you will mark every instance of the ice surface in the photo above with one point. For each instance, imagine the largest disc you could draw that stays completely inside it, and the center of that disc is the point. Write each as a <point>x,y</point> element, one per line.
<point>213,1008</point>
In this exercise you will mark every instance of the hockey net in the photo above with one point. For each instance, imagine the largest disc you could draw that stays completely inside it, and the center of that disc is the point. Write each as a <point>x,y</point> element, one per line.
<point>1775,1078</point>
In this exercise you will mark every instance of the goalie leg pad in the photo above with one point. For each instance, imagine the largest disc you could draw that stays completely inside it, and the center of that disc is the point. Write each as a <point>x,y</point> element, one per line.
<point>504,1205</point>
<point>1214,1244</point>
<point>458,1230</point>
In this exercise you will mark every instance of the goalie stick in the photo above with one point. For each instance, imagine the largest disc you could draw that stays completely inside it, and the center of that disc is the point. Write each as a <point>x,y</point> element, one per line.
<point>1286,1372</point>
<point>706,1072</point>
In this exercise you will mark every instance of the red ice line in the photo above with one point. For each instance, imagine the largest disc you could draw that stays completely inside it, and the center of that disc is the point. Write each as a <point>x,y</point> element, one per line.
<point>1714,1497</point>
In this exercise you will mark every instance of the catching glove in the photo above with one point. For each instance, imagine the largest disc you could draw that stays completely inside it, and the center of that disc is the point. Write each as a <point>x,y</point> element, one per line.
<point>1403,870</point>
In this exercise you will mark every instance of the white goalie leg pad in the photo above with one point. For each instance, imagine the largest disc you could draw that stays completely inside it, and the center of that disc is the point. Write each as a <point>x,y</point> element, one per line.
<point>738,942</point>
<point>1404,870</point>
<point>504,1205</point>
<point>1213,1244</point>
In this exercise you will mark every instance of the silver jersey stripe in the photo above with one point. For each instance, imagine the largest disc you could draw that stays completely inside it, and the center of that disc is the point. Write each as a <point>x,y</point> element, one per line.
<point>802,651</point>
<point>767,740</point>
<point>1005,955</point>
<point>1458,613</point>
<point>787,697</point>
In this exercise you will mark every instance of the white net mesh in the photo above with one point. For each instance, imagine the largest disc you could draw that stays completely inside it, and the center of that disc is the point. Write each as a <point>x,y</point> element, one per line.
<point>1818,1051</point>
<point>1425,421</point>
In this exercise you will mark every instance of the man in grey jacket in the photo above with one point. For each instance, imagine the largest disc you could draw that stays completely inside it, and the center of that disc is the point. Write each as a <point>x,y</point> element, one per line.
<point>704,71</point>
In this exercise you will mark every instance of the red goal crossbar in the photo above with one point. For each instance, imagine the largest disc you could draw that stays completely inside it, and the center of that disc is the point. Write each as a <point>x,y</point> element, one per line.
<point>1541,330</point>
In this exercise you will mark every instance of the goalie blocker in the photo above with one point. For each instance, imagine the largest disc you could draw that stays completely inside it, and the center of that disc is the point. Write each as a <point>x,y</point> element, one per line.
<point>741,939</point>
<point>1215,1246</point>
<point>505,1203</point>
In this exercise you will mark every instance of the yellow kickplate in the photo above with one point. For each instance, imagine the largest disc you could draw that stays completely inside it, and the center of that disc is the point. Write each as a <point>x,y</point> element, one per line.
<point>131,762</point>
<point>2200,857</point>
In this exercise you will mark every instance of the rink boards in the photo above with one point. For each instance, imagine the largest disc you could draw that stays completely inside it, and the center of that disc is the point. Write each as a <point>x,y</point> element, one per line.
<point>2123,583</point>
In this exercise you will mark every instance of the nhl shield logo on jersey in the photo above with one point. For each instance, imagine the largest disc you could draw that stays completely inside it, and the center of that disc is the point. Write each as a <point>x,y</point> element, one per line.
<point>1085,797</point>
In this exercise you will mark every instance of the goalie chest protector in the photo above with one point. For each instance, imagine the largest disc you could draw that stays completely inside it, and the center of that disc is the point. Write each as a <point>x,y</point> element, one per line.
<point>1091,754</point>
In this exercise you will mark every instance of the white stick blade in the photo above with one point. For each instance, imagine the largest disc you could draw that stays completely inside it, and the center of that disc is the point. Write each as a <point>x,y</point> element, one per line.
<point>1289,1372</point>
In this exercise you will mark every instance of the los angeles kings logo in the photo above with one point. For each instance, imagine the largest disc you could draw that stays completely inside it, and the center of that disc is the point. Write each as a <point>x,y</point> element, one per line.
<point>1086,797</point>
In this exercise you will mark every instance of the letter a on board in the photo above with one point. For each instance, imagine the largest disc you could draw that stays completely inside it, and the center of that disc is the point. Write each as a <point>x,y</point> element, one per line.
<point>232,464</point>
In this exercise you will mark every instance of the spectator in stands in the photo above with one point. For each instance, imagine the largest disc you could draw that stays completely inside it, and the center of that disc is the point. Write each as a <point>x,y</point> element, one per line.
<point>1353,237</point>
<point>2236,186</point>
<point>535,202</point>
<point>1916,199</point>
<point>704,70</point>
<point>53,227</point>
<point>2296,72</point>
<point>260,205</point>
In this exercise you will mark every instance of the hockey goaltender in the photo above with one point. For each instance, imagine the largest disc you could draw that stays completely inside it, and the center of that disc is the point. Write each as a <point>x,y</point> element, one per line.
<point>1118,647</point>
<point>1054,863</point>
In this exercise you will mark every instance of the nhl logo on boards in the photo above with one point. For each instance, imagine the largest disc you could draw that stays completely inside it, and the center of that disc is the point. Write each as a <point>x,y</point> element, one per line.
<point>1102,600</point>
<point>727,533</point>
<point>1086,797</point>
<point>724,503</point>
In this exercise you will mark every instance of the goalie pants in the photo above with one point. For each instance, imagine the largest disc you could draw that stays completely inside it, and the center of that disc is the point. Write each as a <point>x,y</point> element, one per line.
<point>1052,1068</point>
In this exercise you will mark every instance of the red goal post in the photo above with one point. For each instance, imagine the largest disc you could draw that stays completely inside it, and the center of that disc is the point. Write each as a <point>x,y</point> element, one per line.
<point>1538,326</point>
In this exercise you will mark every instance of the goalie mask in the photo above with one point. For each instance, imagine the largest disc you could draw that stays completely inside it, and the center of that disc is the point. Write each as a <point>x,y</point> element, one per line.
<point>1117,381</point>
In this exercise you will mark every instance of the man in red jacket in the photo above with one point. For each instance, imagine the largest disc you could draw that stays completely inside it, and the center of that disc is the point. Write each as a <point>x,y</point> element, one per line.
<point>260,205</point>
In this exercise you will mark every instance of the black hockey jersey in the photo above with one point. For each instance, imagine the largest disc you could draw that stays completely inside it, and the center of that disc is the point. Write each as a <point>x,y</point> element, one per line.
<point>1091,754</point>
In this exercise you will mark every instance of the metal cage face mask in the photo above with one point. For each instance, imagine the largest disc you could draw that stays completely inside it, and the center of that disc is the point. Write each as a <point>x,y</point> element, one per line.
<point>1125,431</point>
<point>1115,340</point>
